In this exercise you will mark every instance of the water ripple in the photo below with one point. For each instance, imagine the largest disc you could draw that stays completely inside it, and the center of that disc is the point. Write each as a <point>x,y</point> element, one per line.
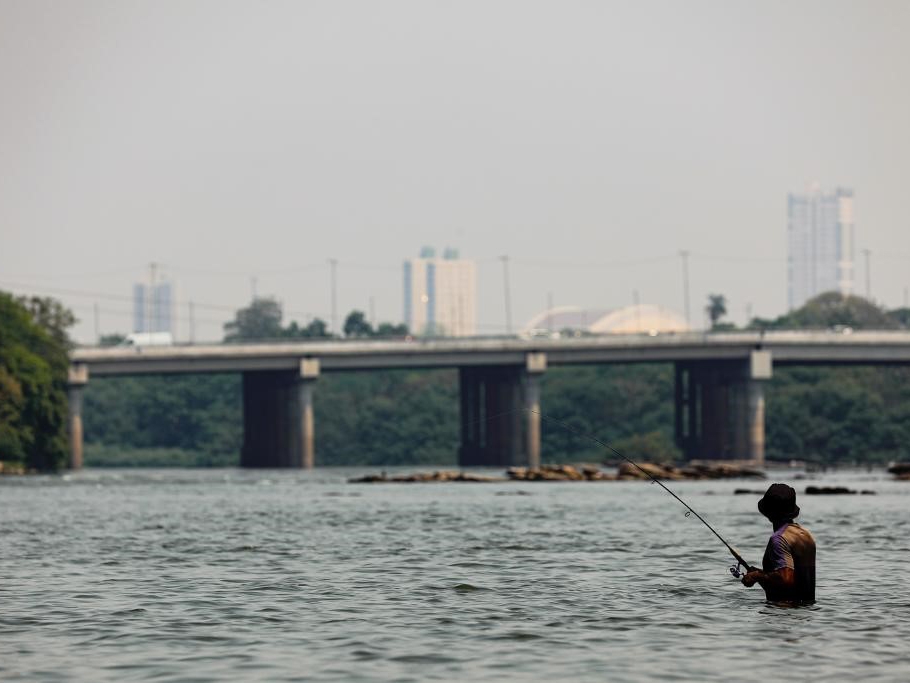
<point>226,575</point>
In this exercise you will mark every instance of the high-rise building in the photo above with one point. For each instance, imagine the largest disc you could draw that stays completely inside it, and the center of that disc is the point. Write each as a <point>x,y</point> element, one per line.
<point>821,244</point>
<point>154,307</point>
<point>440,294</point>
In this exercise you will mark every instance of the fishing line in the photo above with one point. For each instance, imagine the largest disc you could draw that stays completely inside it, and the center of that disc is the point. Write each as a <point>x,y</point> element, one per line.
<point>735,569</point>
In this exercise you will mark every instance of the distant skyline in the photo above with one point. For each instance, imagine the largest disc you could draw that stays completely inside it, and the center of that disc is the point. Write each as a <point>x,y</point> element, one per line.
<point>821,251</point>
<point>241,145</point>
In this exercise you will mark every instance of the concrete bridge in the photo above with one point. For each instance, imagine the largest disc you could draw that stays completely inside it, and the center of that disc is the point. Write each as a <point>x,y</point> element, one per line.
<point>719,386</point>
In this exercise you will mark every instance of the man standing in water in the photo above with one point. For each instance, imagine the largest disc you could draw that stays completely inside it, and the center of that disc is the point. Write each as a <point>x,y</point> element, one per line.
<point>788,567</point>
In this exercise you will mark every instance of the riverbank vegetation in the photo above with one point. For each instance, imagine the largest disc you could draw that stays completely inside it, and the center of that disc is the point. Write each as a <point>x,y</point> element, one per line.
<point>33,373</point>
<point>826,415</point>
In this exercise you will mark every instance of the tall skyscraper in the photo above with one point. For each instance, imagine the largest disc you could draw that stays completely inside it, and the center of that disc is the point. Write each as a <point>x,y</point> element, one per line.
<point>440,294</point>
<point>154,307</point>
<point>821,244</point>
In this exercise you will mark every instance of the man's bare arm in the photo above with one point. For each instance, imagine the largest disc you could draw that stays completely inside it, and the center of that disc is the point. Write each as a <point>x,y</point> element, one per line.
<point>779,578</point>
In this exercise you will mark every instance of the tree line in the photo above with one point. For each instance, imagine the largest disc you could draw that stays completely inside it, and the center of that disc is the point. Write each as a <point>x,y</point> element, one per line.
<point>403,417</point>
<point>817,414</point>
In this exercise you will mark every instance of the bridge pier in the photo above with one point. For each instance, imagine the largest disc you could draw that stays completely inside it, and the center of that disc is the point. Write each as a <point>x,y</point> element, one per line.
<point>500,420</point>
<point>720,408</point>
<point>278,425</point>
<point>75,386</point>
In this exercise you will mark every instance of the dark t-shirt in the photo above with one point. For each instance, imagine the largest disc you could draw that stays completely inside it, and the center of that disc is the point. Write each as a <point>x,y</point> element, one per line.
<point>792,546</point>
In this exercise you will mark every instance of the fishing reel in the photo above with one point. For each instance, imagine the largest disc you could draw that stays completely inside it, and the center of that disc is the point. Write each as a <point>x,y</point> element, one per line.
<point>740,569</point>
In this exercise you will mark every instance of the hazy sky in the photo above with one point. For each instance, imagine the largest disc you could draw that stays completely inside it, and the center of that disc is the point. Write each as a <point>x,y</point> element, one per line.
<point>588,141</point>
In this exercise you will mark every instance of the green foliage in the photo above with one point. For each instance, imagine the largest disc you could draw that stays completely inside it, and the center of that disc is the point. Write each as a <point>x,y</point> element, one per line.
<point>112,339</point>
<point>394,417</point>
<point>202,414</point>
<point>259,321</point>
<point>716,308</point>
<point>832,310</point>
<point>378,418</point>
<point>651,447</point>
<point>356,325</point>
<point>50,315</point>
<point>316,329</point>
<point>900,317</point>
<point>33,372</point>
<point>610,402</point>
<point>839,415</point>
<point>391,330</point>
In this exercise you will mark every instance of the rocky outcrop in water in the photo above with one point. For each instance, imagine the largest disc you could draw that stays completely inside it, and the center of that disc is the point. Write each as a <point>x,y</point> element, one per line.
<point>719,470</point>
<point>559,473</point>
<point>900,470</point>
<point>835,491</point>
<point>442,475</point>
<point>625,471</point>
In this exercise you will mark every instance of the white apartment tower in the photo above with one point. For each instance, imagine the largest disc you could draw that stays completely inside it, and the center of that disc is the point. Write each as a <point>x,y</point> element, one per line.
<point>440,294</point>
<point>821,244</point>
<point>154,307</point>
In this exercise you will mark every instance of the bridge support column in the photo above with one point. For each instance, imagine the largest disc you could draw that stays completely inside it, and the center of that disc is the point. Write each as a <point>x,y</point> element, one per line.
<point>535,365</point>
<point>756,422</point>
<point>309,373</point>
<point>76,381</point>
<point>760,370</point>
<point>500,420</point>
<point>278,424</point>
<point>720,408</point>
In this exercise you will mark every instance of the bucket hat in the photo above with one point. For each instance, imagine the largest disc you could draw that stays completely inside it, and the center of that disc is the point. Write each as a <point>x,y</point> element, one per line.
<point>779,502</point>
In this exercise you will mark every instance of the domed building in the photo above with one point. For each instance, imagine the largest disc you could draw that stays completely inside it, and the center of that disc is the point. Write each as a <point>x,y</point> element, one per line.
<point>636,319</point>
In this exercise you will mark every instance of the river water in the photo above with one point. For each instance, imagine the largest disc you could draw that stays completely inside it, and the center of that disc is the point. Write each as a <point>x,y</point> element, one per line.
<point>274,575</point>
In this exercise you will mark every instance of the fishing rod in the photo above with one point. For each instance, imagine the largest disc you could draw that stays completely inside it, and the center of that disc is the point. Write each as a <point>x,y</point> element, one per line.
<point>735,569</point>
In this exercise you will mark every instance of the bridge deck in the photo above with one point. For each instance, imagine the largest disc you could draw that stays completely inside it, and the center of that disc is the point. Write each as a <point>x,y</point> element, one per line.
<point>881,347</point>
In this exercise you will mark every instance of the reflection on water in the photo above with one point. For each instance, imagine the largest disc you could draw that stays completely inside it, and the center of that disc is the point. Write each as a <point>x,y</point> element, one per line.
<point>125,575</point>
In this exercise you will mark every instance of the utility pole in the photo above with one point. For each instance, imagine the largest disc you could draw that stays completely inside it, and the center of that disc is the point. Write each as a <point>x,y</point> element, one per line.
<point>333,263</point>
<point>685,269</point>
<point>373,313</point>
<point>550,312</point>
<point>192,324</point>
<point>508,296</point>
<point>151,312</point>
<point>867,253</point>
<point>97,327</point>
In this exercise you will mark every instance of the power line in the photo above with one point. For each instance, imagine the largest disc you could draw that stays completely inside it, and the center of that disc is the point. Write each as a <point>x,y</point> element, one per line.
<point>120,297</point>
<point>592,264</point>
<point>75,276</point>
<point>697,256</point>
<point>243,273</point>
<point>867,253</point>
<point>334,268</point>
